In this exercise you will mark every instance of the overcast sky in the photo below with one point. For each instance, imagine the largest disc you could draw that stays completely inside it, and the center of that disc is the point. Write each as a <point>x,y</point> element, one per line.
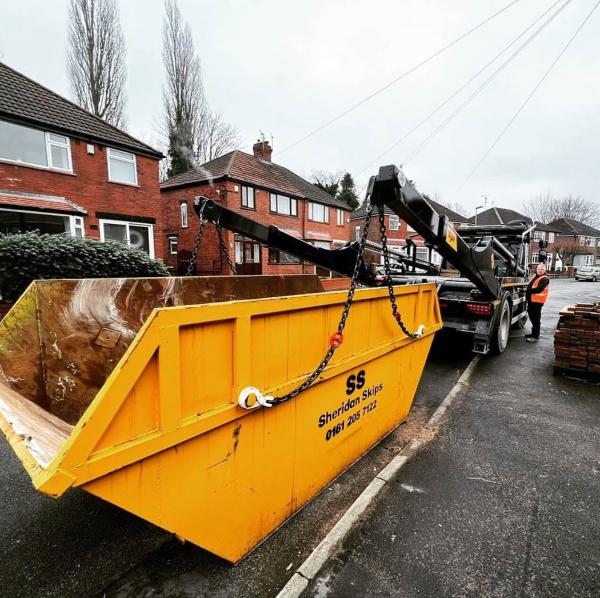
<point>285,68</point>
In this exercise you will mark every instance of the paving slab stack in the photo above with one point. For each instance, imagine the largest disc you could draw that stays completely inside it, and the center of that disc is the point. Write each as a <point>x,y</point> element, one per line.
<point>577,340</point>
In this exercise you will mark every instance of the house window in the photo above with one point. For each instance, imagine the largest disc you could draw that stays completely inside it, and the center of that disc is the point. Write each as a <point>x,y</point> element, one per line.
<point>582,240</point>
<point>589,260</point>
<point>535,258</point>
<point>183,210</point>
<point>77,229</point>
<point>318,212</point>
<point>550,237</point>
<point>282,204</point>
<point>248,197</point>
<point>34,147</point>
<point>121,167</point>
<point>590,242</point>
<point>341,217</point>
<point>173,245</point>
<point>134,234</point>
<point>281,257</point>
<point>357,233</point>
<point>394,222</point>
<point>14,222</point>
<point>538,235</point>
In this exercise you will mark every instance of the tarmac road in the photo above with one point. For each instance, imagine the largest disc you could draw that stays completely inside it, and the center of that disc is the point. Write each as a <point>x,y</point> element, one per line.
<point>81,546</point>
<point>504,502</point>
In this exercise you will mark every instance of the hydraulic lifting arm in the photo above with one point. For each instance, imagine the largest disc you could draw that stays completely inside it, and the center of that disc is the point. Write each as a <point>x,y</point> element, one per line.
<point>475,262</point>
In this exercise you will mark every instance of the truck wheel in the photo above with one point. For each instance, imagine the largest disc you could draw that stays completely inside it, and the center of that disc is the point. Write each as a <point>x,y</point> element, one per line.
<point>501,330</point>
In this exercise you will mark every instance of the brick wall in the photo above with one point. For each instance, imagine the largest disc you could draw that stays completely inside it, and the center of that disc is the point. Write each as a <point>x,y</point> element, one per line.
<point>89,187</point>
<point>229,194</point>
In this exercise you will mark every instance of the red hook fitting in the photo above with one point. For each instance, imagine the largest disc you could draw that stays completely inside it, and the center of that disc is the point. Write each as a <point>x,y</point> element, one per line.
<point>336,339</point>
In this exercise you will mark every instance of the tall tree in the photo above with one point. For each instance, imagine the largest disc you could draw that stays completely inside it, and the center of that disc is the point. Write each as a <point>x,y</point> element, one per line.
<point>545,208</point>
<point>183,94</point>
<point>96,59</point>
<point>195,133</point>
<point>347,192</point>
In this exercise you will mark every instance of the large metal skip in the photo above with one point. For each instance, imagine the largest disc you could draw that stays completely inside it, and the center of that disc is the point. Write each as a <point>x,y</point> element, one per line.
<point>159,431</point>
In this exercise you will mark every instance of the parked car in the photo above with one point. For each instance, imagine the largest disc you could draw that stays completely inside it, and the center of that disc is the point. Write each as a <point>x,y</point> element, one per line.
<point>588,273</point>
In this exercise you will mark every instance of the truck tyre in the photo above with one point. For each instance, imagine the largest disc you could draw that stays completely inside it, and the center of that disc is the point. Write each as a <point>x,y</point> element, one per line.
<point>501,330</point>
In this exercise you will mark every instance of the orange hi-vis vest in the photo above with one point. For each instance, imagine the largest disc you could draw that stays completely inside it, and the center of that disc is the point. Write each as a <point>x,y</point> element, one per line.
<point>542,296</point>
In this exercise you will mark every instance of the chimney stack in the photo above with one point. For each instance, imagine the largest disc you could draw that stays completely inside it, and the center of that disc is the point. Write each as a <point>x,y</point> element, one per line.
<point>262,150</point>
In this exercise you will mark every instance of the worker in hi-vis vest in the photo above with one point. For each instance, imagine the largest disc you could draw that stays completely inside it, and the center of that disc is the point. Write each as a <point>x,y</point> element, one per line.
<point>537,294</point>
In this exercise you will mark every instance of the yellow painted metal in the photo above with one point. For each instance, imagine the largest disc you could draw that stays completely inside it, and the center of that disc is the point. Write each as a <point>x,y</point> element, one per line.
<point>165,439</point>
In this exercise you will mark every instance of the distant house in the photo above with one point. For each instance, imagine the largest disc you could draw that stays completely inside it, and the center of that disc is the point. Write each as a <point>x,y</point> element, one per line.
<point>545,232</point>
<point>264,191</point>
<point>62,169</point>
<point>398,231</point>
<point>586,237</point>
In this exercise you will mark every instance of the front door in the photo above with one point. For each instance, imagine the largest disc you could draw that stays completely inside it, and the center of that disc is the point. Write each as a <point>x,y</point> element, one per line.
<point>247,256</point>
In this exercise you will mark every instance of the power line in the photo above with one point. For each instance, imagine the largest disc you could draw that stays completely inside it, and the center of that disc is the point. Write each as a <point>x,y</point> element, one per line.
<point>398,78</point>
<point>531,94</point>
<point>494,74</point>
<point>457,92</point>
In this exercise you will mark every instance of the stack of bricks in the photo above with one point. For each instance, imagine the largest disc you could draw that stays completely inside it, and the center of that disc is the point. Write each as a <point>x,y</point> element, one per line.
<point>577,339</point>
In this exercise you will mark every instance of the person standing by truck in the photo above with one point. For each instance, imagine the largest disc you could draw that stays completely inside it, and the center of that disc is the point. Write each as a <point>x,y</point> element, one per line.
<point>537,295</point>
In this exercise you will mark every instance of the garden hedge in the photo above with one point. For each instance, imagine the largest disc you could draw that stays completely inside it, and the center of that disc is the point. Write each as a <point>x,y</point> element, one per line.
<point>30,256</point>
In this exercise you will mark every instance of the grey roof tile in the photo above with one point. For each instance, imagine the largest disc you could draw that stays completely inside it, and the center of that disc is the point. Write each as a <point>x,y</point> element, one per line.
<point>22,100</point>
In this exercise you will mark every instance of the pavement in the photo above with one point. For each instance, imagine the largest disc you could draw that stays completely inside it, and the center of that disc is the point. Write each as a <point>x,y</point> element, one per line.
<point>504,502</point>
<point>505,495</point>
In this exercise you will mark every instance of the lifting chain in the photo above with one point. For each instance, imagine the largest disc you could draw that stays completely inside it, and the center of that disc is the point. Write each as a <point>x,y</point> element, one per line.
<point>337,338</point>
<point>194,256</point>
<point>388,280</point>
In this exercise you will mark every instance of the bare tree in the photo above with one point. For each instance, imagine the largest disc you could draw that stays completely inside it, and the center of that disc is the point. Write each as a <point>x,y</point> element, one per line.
<point>216,137</point>
<point>96,59</point>
<point>545,208</point>
<point>567,248</point>
<point>195,133</point>
<point>327,180</point>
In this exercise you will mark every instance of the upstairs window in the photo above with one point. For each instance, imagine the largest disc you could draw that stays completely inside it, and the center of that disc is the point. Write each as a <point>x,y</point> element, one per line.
<point>183,210</point>
<point>341,217</point>
<point>318,212</point>
<point>538,235</point>
<point>550,237</point>
<point>121,167</point>
<point>281,204</point>
<point>248,197</point>
<point>394,222</point>
<point>34,147</point>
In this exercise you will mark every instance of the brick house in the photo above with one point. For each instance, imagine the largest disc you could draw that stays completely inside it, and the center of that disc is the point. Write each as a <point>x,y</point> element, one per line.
<point>63,169</point>
<point>545,232</point>
<point>398,231</point>
<point>587,237</point>
<point>262,190</point>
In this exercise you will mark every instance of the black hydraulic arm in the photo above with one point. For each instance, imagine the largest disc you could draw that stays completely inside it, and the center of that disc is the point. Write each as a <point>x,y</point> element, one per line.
<point>340,260</point>
<point>475,262</point>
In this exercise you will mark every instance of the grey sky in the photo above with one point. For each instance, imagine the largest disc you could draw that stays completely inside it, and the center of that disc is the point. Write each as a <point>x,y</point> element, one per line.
<point>285,68</point>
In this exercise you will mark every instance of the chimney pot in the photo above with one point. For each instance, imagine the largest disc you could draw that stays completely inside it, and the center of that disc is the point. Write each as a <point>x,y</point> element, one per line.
<point>262,150</point>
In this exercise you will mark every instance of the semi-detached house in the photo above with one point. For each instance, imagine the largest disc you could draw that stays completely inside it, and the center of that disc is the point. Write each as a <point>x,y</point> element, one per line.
<point>62,169</point>
<point>264,191</point>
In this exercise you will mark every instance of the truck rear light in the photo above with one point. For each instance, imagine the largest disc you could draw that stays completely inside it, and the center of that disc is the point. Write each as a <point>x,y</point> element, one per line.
<point>480,309</point>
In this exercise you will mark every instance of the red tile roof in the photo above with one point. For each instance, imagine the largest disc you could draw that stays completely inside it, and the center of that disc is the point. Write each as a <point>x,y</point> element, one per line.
<point>32,201</point>
<point>243,167</point>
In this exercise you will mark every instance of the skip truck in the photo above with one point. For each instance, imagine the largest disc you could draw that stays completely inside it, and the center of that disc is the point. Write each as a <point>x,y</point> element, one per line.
<point>485,301</point>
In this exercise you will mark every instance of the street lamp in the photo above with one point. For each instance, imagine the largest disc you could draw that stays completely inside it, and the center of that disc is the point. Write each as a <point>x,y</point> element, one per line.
<point>477,208</point>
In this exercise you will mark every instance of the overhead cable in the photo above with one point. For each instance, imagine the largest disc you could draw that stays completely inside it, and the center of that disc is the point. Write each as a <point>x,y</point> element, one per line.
<point>457,92</point>
<point>530,95</point>
<point>494,74</point>
<point>399,77</point>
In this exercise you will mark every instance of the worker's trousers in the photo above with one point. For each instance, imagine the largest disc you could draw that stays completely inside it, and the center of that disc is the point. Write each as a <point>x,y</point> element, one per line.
<point>534,310</point>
